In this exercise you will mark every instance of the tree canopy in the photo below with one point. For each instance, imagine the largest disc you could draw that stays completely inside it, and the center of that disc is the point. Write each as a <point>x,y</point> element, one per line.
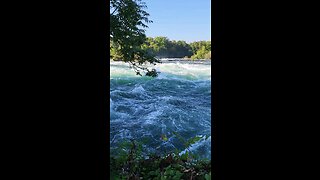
<point>128,21</point>
<point>162,47</point>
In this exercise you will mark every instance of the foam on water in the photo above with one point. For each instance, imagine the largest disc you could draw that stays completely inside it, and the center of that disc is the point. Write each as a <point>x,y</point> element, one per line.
<point>198,145</point>
<point>177,100</point>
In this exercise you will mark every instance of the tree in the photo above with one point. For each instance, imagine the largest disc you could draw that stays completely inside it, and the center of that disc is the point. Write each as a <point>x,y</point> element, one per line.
<point>127,34</point>
<point>208,55</point>
<point>164,48</point>
<point>201,50</point>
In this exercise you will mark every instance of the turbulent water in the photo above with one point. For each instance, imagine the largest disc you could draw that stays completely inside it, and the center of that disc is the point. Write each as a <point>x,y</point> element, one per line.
<point>146,109</point>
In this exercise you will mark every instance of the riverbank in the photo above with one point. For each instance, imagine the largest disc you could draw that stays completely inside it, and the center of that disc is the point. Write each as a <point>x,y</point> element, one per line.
<point>131,165</point>
<point>182,59</point>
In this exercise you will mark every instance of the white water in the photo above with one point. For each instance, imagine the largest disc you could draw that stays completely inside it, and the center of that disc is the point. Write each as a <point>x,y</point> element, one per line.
<point>179,100</point>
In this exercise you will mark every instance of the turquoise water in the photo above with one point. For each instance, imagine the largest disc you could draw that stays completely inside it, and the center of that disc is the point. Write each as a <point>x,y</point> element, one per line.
<point>145,108</point>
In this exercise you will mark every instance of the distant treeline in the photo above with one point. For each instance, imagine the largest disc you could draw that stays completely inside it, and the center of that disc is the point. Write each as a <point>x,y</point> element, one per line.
<point>162,47</point>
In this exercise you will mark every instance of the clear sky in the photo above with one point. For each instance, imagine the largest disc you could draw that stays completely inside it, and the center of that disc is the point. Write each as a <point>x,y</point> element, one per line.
<point>188,20</point>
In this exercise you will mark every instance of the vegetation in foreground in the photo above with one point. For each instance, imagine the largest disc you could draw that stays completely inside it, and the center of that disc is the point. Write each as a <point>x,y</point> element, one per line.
<point>131,164</point>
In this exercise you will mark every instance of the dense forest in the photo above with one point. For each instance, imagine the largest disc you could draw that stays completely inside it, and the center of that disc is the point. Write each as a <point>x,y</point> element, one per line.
<point>162,47</point>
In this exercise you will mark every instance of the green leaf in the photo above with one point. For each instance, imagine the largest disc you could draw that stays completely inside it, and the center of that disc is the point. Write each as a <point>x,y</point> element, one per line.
<point>208,176</point>
<point>193,140</point>
<point>185,156</point>
<point>164,137</point>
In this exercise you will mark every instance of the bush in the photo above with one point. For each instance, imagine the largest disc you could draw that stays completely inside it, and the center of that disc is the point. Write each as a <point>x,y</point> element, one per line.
<point>130,164</point>
<point>208,55</point>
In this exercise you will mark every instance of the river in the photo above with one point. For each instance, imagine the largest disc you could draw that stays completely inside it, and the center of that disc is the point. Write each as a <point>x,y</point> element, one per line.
<point>146,108</point>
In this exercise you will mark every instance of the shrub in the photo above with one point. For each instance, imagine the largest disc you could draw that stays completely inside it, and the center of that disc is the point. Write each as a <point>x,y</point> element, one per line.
<point>130,164</point>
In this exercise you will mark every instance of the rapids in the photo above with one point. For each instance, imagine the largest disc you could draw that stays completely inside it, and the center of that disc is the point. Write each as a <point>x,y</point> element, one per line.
<point>146,108</point>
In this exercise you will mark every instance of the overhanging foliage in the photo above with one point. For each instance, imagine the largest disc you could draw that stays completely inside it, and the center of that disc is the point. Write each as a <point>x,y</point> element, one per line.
<point>127,22</point>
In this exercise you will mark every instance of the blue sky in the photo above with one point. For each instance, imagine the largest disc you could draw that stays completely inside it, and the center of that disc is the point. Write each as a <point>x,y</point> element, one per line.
<point>188,20</point>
